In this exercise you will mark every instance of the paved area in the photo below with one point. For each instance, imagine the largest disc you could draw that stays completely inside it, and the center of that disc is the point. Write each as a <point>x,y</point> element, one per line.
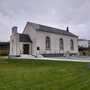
<point>73,58</point>
<point>63,59</point>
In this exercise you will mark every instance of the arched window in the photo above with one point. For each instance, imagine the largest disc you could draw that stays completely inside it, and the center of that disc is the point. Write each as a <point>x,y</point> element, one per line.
<point>48,43</point>
<point>72,44</point>
<point>61,44</point>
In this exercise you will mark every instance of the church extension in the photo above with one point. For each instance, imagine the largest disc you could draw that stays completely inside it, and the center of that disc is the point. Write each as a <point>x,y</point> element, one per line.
<point>39,39</point>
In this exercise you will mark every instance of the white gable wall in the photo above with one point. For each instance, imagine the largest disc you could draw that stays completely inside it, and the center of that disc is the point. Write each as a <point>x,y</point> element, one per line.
<point>30,30</point>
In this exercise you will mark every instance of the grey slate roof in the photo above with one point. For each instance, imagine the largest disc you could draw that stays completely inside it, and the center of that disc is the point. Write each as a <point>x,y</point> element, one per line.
<point>48,29</point>
<point>55,30</point>
<point>24,38</point>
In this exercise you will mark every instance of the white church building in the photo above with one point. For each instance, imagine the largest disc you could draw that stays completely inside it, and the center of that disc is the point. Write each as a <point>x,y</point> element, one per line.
<point>39,39</point>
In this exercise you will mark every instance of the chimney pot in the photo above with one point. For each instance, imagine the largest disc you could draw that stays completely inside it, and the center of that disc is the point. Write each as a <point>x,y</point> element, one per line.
<point>14,29</point>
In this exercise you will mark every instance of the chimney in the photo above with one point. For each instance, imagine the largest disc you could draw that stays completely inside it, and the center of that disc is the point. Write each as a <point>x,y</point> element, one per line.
<point>67,29</point>
<point>14,29</point>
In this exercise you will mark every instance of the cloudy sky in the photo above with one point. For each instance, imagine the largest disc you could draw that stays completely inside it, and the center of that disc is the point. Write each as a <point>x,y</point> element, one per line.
<point>55,13</point>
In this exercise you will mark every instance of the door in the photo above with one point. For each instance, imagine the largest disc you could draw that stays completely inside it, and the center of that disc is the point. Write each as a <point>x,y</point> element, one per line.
<point>26,49</point>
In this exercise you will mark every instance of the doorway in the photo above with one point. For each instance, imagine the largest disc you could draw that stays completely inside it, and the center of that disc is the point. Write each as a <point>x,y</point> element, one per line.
<point>25,48</point>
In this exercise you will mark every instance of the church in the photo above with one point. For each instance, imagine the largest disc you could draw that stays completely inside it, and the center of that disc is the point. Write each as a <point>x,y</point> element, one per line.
<point>37,39</point>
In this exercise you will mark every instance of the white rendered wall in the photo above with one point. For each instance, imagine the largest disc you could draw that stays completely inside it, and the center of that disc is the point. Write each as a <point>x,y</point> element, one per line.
<point>14,44</point>
<point>55,43</point>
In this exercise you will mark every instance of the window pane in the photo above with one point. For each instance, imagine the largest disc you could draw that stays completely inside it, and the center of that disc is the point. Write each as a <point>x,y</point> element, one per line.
<point>61,44</point>
<point>48,45</point>
<point>72,45</point>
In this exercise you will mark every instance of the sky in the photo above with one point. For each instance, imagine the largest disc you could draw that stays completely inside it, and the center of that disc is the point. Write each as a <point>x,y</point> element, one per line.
<point>55,13</point>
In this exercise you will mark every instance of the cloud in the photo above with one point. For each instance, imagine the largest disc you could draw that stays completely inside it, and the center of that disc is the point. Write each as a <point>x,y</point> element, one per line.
<point>56,13</point>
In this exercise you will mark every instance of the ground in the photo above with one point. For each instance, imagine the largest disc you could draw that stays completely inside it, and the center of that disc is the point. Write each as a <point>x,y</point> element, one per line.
<point>43,75</point>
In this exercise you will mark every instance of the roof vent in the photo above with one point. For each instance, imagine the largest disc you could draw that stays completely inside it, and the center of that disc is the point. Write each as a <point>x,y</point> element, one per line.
<point>67,29</point>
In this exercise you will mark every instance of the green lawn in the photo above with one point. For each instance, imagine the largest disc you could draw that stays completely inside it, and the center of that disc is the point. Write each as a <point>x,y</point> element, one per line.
<point>43,75</point>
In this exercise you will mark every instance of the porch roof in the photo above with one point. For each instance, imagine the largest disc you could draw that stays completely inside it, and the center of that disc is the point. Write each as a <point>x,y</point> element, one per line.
<point>24,38</point>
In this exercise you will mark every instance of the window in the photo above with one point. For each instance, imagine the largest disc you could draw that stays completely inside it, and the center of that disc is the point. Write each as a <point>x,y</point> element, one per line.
<point>72,44</point>
<point>61,44</point>
<point>48,43</point>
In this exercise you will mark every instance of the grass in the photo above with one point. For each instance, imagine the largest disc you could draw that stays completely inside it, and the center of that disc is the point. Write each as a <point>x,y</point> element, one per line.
<point>43,75</point>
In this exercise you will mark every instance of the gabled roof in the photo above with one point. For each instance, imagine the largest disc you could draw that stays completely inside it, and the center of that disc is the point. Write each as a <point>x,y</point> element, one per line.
<point>44,28</point>
<point>24,38</point>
